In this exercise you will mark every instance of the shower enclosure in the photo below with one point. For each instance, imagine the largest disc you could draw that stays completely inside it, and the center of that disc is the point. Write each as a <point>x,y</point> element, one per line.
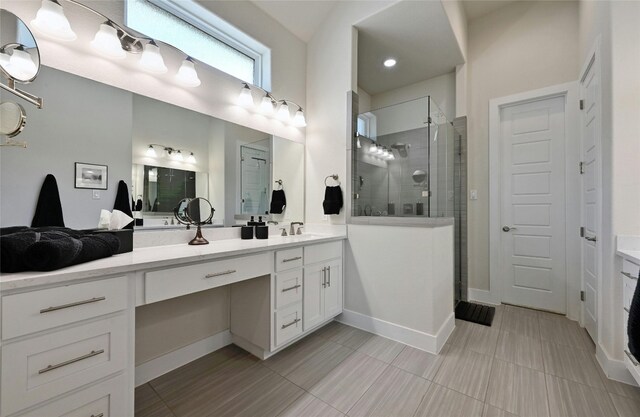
<point>408,162</point>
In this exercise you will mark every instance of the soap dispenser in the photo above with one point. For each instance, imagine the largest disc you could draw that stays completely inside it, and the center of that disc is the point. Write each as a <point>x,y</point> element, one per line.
<point>251,222</point>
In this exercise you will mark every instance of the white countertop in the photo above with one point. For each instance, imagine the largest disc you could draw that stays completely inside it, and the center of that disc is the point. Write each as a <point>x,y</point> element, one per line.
<point>159,257</point>
<point>628,247</point>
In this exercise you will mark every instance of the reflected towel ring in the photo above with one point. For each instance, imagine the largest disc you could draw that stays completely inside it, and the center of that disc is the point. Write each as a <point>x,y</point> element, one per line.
<point>335,178</point>
<point>279,182</point>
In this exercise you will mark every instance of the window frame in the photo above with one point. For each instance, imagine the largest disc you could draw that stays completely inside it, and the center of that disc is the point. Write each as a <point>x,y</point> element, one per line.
<point>205,20</point>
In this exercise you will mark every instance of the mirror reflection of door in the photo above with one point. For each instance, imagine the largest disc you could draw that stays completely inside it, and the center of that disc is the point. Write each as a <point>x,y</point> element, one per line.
<point>254,174</point>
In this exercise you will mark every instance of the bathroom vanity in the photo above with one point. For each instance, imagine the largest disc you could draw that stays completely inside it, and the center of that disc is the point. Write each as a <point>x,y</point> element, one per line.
<point>629,252</point>
<point>68,336</point>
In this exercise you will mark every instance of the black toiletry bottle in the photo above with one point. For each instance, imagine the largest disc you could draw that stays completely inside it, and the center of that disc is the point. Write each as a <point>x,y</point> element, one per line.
<point>251,222</point>
<point>260,222</point>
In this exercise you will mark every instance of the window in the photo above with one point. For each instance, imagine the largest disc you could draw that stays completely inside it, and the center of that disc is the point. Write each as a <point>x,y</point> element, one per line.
<point>367,125</point>
<point>202,35</point>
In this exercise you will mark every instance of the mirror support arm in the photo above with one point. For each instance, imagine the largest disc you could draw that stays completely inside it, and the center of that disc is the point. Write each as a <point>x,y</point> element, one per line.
<point>36,101</point>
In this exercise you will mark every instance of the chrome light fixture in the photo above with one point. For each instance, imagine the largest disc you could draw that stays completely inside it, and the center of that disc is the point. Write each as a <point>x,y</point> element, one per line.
<point>191,158</point>
<point>107,43</point>
<point>151,60</point>
<point>151,152</point>
<point>245,99</point>
<point>19,64</point>
<point>51,21</point>
<point>298,119</point>
<point>283,111</point>
<point>178,156</point>
<point>267,105</point>
<point>187,74</point>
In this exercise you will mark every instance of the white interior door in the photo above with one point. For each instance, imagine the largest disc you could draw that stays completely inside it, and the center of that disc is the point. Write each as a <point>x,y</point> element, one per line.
<point>589,143</point>
<point>533,204</point>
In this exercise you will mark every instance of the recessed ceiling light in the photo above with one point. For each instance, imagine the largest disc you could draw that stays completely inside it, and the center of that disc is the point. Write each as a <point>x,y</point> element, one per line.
<point>390,62</point>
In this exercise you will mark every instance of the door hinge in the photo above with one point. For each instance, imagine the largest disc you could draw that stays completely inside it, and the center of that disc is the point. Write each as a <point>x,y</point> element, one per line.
<point>582,297</point>
<point>581,167</point>
<point>581,104</point>
<point>581,231</point>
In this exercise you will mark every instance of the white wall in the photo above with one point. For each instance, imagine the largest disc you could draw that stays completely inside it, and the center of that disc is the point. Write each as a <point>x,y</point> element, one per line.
<point>288,165</point>
<point>442,90</point>
<point>331,73</point>
<point>520,47</point>
<point>217,96</point>
<point>95,129</point>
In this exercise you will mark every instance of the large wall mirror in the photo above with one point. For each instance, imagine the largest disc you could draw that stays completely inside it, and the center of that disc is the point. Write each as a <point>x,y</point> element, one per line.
<point>236,168</point>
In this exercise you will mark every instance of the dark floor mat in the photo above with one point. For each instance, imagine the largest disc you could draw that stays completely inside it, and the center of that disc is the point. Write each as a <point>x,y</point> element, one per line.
<point>475,313</point>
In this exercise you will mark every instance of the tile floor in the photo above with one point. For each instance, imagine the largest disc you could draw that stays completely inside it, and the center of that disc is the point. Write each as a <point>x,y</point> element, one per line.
<point>527,364</point>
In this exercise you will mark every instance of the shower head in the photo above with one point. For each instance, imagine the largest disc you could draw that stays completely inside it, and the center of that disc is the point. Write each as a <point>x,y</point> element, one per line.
<point>402,148</point>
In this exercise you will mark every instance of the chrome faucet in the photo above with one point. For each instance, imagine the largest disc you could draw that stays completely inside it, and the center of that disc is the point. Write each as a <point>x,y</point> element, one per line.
<point>292,230</point>
<point>272,222</point>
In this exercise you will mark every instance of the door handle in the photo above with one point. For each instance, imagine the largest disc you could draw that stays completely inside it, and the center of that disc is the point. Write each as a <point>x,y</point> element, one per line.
<point>591,239</point>
<point>508,228</point>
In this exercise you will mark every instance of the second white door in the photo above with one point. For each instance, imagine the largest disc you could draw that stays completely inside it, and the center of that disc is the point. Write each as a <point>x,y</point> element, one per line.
<point>533,204</point>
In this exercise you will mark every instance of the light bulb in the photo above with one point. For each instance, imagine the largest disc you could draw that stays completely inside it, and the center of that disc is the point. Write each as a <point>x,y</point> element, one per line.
<point>245,99</point>
<point>51,21</point>
<point>380,151</point>
<point>151,152</point>
<point>106,42</point>
<point>266,105</point>
<point>373,148</point>
<point>389,62</point>
<point>299,120</point>
<point>191,158</point>
<point>177,155</point>
<point>21,65</point>
<point>151,60</point>
<point>187,74</point>
<point>283,112</point>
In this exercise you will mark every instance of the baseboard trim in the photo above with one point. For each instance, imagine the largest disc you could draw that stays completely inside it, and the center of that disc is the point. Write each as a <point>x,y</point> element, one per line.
<point>482,296</point>
<point>613,368</point>
<point>173,360</point>
<point>415,338</point>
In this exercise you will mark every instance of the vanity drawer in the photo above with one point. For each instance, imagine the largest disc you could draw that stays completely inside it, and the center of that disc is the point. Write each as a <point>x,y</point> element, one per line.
<point>288,323</point>
<point>40,368</point>
<point>322,252</point>
<point>174,282</point>
<point>630,269</point>
<point>45,309</point>
<point>288,259</point>
<point>106,399</point>
<point>288,287</point>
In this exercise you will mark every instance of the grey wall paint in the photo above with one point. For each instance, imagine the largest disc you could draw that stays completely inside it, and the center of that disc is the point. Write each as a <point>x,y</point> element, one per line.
<point>92,124</point>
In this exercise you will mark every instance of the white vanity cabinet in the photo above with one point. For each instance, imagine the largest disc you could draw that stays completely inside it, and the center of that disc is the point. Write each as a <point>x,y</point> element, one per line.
<point>630,276</point>
<point>322,283</point>
<point>65,346</point>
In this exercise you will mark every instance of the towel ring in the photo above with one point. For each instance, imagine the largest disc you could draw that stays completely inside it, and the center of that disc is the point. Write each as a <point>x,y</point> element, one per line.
<point>335,178</point>
<point>279,182</point>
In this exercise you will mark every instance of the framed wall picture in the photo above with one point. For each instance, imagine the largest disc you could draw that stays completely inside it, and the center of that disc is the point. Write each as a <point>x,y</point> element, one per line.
<point>91,176</point>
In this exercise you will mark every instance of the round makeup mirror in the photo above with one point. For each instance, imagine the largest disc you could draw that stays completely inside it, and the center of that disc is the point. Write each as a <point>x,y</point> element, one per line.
<point>180,211</point>
<point>199,211</point>
<point>19,55</point>
<point>12,119</point>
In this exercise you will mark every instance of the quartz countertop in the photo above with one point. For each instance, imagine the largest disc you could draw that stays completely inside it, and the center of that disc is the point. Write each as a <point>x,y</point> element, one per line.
<point>160,257</point>
<point>628,247</point>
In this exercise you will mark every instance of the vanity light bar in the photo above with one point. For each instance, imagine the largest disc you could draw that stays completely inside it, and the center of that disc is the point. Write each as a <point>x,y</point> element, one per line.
<point>269,105</point>
<point>173,153</point>
<point>112,41</point>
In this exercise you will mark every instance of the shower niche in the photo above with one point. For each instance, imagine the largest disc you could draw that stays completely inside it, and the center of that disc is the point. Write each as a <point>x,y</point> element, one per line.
<point>403,160</point>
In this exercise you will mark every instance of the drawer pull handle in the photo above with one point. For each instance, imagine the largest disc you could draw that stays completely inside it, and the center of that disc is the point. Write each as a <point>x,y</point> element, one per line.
<point>628,275</point>
<point>77,303</point>
<point>70,361</point>
<point>329,276</point>
<point>324,277</point>
<point>97,415</point>
<point>291,288</point>
<point>217,274</point>
<point>626,309</point>
<point>297,258</point>
<point>284,326</point>
<point>630,356</point>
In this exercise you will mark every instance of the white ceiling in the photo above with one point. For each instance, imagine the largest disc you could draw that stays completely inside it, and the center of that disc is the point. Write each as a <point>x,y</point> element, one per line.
<point>478,8</point>
<point>417,34</point>
<point>302,18</point>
